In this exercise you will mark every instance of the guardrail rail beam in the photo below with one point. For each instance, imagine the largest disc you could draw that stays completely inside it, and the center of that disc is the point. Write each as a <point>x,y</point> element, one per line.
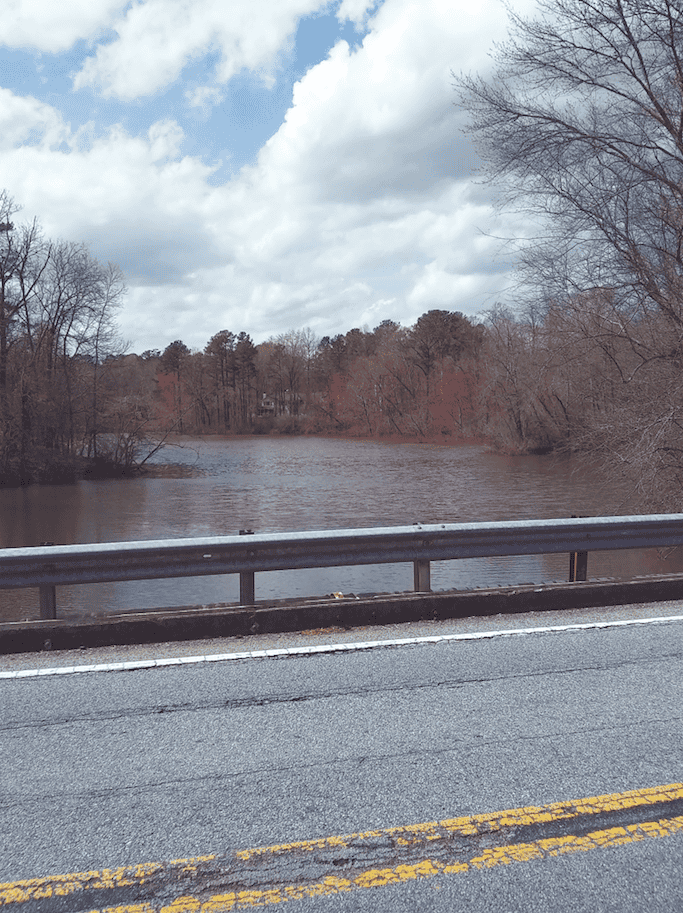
<point>49,566</point>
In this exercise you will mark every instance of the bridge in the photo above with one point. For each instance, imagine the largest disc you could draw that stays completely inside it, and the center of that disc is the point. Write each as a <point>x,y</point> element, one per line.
<point>491,763</point>
<point>49,566</point>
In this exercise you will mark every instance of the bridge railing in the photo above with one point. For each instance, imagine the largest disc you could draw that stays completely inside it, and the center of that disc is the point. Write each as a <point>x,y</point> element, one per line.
<point>50,566</point>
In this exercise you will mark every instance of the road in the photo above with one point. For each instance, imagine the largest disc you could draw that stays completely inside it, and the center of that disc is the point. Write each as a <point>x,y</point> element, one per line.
<point>209,761</point>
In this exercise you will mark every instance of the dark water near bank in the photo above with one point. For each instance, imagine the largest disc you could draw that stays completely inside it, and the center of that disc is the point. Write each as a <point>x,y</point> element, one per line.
<point>281,484</point>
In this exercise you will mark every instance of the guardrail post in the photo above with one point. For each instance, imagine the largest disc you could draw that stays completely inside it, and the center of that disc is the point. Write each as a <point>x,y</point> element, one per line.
<point>578,563</point>
<point>578,566</point>
<point>247,595</point>
<point>48,597</point>
<point>247,589</point>
<point>421,576</point>
<point>48,601</point>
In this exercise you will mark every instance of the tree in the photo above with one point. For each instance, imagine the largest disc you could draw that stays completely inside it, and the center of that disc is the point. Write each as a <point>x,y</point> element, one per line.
<point>57,305</point>
<point>245,372</point>
<point>439,339</point>
<point>273,373</point>
<point>24,256</point>
<point>309,344</point>
<point>125,411</point>
<point>581,127</point>
<point>98,341</point>
<point>220,350</point>
<point>287,368</point>
<point>438,335</point>
<point>581,124</point>
<point>173,360</point>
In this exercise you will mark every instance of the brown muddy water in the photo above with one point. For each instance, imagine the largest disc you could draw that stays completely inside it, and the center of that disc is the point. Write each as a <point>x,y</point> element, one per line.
<point>272,484</point>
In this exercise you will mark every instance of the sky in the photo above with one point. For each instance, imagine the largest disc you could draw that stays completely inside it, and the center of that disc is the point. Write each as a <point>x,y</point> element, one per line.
<point>257,165</point>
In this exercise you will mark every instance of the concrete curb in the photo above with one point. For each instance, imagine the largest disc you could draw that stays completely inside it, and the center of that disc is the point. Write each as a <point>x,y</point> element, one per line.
<point>161,626</point>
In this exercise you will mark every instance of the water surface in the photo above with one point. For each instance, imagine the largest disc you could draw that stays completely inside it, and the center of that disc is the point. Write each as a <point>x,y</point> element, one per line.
<point>285,484</point>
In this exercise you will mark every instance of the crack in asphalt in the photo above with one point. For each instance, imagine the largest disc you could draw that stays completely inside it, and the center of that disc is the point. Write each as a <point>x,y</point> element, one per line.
<point>274,700</point>
<point>264,773</point>
<point>274,868</point>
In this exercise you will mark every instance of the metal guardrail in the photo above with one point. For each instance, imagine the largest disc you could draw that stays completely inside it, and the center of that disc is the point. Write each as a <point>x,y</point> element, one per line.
<point>50,566</point>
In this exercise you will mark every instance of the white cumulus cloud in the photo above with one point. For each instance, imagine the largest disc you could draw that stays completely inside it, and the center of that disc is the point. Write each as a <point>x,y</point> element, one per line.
<point>24,119</point>
<point>359,208</point>
<point>54,25</point>
<point>157,38</point>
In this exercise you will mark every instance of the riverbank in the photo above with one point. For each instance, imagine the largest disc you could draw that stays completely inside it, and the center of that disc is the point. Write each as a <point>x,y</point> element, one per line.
<point>442,440</point>
<point>61,470</point>
<point>71,470</point>
<point>67,470</point>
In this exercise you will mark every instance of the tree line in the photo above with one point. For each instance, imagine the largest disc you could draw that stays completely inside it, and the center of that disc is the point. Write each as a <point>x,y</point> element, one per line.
<point>410,382</point>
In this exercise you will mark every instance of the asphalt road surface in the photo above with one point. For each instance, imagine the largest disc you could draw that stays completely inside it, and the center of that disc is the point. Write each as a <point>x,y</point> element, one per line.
<point>360,779</point>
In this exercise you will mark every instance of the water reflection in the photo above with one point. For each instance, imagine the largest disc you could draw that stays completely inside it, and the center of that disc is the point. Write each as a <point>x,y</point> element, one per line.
<point>280,484</point>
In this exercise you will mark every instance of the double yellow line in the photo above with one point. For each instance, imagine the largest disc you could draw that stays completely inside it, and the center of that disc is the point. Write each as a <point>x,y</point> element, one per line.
<point>259,876</point>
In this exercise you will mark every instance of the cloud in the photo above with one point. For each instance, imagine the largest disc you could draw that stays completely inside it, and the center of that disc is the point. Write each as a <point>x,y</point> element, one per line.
<point>381,121</point>
<point>54,25</point>
<point>157,38</point>
<point>135,200</point>
<point>356,11</point>
<point>25,120</point>
<point>359,208</point>
<point>204,97</point>
<point>439,288</point>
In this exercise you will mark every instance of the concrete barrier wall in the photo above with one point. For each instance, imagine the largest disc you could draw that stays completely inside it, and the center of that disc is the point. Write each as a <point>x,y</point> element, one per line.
<point>190,623</point>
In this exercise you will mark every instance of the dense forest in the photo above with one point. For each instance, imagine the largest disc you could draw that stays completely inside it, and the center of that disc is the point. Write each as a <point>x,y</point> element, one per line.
<point>392,381</point>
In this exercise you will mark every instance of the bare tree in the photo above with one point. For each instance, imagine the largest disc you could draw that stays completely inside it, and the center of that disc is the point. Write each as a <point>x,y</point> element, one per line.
<point>581,128</point>
<point>309,345</point>
<point>582,125</point>
<point>57,306</point>
<point>99,339</point>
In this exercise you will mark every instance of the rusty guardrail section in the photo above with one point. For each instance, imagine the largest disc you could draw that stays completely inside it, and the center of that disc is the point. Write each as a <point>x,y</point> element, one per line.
<point>47,567</point>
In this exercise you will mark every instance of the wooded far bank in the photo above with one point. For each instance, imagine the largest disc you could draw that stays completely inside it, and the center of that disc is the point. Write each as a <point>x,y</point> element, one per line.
<point>73,403</point>
<point>580,375</point>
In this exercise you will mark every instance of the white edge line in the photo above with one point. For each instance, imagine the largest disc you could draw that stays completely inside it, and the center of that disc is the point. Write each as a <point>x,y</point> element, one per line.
<point>329,648</point>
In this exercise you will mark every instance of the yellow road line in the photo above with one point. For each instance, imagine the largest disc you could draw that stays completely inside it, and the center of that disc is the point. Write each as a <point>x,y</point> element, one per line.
<point>426,868</point>
<point>398,837</point>
<point>472,825</point>
<point>107,879</point>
